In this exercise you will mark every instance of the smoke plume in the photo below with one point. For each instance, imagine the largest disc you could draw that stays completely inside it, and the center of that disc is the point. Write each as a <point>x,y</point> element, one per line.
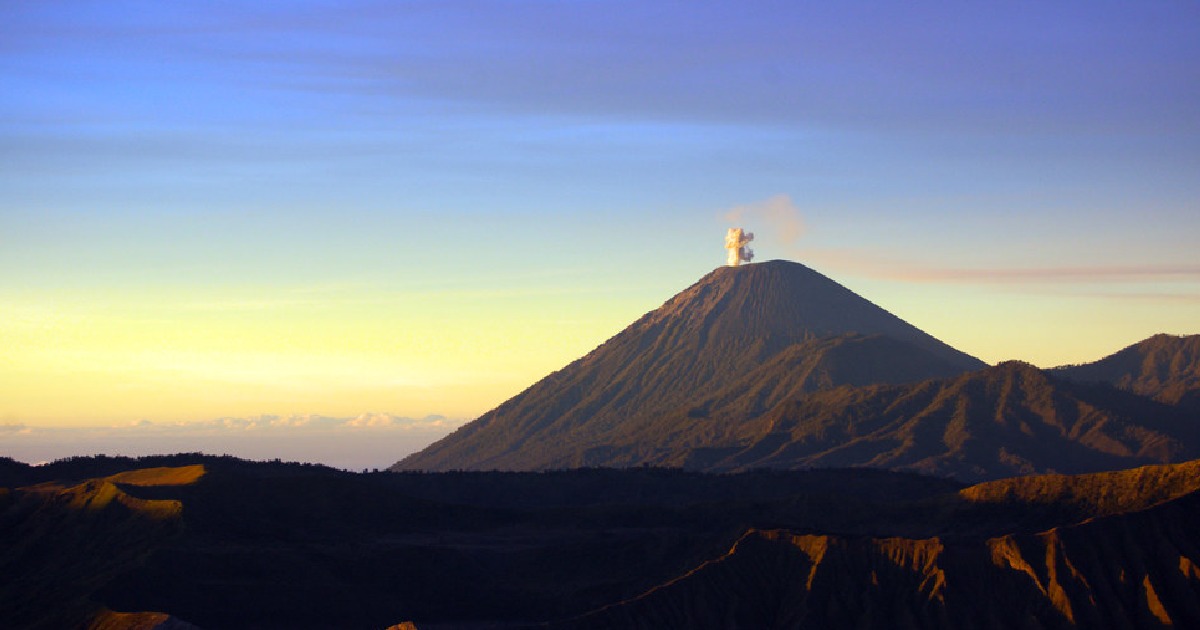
<point>736,241</point>
<point>783,221</point>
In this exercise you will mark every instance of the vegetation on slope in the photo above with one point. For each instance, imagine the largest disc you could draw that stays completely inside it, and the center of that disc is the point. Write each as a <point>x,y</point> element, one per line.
<point>1011,419</point>
<point>1163,367</point>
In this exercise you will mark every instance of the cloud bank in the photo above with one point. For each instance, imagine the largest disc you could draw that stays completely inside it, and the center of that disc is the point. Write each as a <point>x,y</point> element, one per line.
<point>366,441</point>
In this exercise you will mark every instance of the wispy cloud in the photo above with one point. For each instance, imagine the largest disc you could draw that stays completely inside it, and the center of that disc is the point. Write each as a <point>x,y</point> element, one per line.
<point>1074,275</point>
<point>1148,296</point>
<point>233,425</point>
<point>309,423</point>
<point>784,64</point>
<point>8,429</point>
<point>874,266</point>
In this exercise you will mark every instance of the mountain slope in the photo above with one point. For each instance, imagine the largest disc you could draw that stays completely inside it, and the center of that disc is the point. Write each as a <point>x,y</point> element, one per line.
<point>1163,367</point>
<point>1010,419</point>
<point>706,338</point>
<point>1096,494</point>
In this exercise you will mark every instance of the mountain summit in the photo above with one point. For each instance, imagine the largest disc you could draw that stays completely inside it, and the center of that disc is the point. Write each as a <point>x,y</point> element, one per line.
<point>793,328</point>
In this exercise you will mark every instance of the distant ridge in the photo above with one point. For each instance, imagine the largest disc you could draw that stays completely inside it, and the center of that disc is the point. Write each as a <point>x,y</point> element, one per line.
<point>790,327</point>
<point>1006,420</point>
<point>1163,367</point>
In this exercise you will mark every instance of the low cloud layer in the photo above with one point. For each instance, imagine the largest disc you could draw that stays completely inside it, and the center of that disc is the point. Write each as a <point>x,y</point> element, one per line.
<point>366,441</point>
<point>308,422</point>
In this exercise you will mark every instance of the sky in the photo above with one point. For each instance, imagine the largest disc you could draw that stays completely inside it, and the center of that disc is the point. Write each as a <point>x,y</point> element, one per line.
<point>326,209</point>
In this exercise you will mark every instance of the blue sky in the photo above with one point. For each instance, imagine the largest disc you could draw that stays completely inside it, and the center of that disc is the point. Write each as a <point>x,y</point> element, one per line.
<point>304,204</point>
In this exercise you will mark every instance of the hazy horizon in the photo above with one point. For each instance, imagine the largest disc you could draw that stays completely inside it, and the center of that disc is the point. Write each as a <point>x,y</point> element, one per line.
<point>364,442</point>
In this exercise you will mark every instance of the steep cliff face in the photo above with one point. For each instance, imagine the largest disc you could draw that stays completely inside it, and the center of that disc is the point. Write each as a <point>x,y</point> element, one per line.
<point>781,579</point>
<point>787,322</point>
<point>1133,570</point>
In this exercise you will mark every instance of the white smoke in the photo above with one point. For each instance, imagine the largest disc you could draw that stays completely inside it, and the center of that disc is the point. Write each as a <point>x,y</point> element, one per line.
<point>784,223</point>
<point>736,241</point>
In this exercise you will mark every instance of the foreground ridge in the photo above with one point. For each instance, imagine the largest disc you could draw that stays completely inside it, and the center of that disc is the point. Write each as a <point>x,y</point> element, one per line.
<point>223,543</point>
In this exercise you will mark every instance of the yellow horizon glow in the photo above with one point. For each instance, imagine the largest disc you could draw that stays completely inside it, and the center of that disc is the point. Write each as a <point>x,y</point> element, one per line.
<point>92,357</point>
<point>119,357</point>
<point>1047,327</point>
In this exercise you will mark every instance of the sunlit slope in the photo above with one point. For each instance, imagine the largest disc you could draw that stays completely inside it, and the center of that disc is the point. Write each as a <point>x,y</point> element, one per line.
<point>1095,494</point>
<point>1163,367</point>
<point>160,476</point>
<point>67,541</point>
<point>707,338</point>
<point>1010,419</point>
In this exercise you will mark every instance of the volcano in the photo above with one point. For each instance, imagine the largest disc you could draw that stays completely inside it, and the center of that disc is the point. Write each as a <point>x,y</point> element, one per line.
<point>756,333</point>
